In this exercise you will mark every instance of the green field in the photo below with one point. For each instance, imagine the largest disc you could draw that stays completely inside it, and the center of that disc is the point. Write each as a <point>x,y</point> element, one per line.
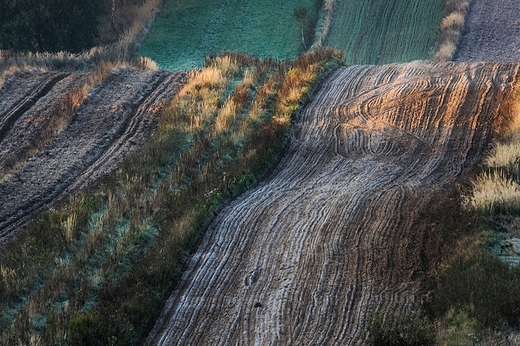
<point>185,31</point>
<point>383,31</point>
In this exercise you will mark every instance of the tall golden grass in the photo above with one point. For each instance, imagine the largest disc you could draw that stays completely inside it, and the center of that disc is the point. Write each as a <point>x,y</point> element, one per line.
<point>497,189</point>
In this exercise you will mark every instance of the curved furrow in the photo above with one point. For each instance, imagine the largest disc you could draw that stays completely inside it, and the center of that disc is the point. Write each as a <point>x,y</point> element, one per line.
<point>99,134</point>
<point>20,93</point>
<point>37,125</point>
<point>132,135</point>
<point>335,232</point>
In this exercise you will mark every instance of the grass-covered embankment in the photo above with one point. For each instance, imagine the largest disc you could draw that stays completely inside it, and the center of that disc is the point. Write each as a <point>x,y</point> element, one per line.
<point>95,271</point>
<point>382,32</point>
<point>477,290</point>
<point>186,31</point>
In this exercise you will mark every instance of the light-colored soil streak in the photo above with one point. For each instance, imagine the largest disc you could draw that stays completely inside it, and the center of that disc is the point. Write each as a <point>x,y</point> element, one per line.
<point>335,232</point>
<point>115,119</point>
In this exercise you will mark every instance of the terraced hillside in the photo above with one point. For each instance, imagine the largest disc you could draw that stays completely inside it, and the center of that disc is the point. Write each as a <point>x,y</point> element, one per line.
<point>336,231</point>
<point>44,158</point>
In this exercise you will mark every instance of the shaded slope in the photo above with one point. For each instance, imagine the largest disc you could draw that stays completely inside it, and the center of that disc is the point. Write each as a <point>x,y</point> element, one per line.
<point>335,233</point>
<point>114,120</point>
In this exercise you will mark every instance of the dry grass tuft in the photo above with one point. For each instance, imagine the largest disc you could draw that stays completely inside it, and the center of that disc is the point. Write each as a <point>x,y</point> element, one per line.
<point>453,20</point>
<point>505,155</point>
<point>226,116</point>
<point>445,52</point>
<point>493,192</point>
<point>450,28</point>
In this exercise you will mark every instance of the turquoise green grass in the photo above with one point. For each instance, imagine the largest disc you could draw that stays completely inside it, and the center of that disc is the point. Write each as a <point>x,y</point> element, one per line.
<point>187,30</point>
<point>385,31</point>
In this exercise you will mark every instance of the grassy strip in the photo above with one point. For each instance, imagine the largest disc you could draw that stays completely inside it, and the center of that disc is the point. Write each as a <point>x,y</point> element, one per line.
<point>187,30</point>
<point>96,271</point>
<point>450,29</point>
<point>129,22</point>
<point>324,23</point>
<point>381,32</point>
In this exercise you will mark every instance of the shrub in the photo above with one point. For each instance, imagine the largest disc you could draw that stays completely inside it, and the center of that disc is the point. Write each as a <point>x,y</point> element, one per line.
<point>482,286</point>
<point>391,329</point>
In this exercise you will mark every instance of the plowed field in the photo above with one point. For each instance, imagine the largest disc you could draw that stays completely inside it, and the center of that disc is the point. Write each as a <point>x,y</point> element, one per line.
<point>335,232</point>
<point>492,32</point>
<point>115,119</point>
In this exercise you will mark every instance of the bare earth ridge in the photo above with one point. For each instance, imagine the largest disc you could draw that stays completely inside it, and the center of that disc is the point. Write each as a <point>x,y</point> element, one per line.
<point>491,32</point>
<point>115,119</point>
<point>335,232</point>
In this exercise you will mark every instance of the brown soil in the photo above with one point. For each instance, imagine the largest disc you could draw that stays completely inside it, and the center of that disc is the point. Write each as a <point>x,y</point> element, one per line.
<point>336,231</point>
<point>492,32</point>
<point>39,170</point>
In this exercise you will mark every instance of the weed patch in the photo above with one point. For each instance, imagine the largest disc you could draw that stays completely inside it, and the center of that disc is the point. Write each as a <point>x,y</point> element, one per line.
<point>391,329</point>
<point>476,292</point>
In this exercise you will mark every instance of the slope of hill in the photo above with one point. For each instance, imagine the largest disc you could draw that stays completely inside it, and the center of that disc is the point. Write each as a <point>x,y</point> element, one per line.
<point>116,117</point>
<point>382,32</point>
<point>186,31</point>
<point>336,232</point>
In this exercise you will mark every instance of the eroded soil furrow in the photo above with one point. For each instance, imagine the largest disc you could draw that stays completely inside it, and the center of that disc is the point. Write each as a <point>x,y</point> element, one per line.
<point>100,134</point>
<point>37,126</point>
<point>133,135</point>
<point>335,232</point>
<point>20,94</point>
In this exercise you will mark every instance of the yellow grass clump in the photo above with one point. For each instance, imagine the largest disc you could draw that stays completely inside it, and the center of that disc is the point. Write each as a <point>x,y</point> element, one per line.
<point>453,20</point>
<point>505,155</point>
<point>206,78</point>
<point>226,116</point>
<point>227,65</point>
<point>493,191</point>
<point>498,189</point>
